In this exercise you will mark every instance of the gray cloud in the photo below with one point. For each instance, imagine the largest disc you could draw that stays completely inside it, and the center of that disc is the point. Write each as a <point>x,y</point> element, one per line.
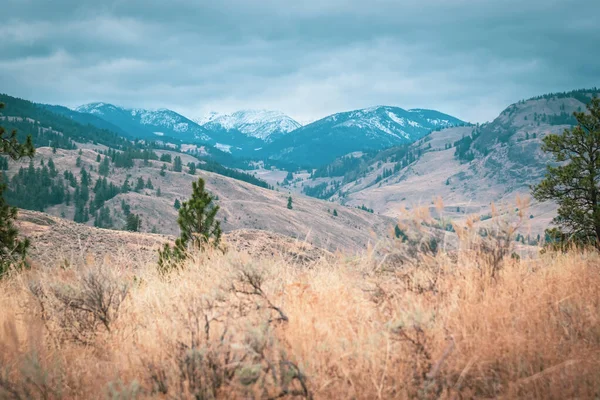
<point>469,58</point>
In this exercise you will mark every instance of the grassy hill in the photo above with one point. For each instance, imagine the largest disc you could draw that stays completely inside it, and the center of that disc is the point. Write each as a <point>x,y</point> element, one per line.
<point>243,205</point>
<point>468,167</point>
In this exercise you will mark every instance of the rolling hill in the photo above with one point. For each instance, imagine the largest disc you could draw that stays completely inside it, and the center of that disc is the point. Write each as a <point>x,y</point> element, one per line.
<point>468,167</point>
<point>243,206</point>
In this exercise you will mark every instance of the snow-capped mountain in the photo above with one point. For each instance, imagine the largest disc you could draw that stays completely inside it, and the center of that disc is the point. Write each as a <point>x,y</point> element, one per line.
<point>366,129</point>
<point>148,124</point>
<point>207,118</point>
<point>260,124</point>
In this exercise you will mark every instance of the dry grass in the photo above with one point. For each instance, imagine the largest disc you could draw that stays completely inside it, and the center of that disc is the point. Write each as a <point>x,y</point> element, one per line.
<point>232,326</point>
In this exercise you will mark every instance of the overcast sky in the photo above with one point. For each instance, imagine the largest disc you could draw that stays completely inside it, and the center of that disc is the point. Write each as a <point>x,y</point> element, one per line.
<point>307,58</point>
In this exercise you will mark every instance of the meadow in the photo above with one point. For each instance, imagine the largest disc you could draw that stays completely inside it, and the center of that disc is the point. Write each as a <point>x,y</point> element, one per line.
<point>395,321</point>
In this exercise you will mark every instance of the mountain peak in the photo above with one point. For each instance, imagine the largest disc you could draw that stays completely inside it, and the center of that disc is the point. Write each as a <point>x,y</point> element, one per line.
<point>260,124</point>
<point>371,128</point>
<point>144,123</point>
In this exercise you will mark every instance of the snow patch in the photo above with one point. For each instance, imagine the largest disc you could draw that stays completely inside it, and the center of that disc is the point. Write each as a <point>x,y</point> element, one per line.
<point>223,147</point>
<point>255,123</point>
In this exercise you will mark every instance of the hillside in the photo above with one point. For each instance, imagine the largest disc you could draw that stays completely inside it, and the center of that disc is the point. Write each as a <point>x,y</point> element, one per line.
<point>243,206</point>
<point>50,128</point>
<point>58,241</point>
<point>469,167</point>
<point>373,128</point>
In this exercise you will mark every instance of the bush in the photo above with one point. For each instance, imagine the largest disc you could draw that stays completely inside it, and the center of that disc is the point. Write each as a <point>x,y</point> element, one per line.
<point>81,309</point>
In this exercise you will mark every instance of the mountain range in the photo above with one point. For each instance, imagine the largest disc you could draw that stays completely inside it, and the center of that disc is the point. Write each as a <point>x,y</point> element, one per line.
<point>146,124</point>
<point>372,128</point>
<point>380,159</point>
<point>469,167</point>
<point>272,135</point>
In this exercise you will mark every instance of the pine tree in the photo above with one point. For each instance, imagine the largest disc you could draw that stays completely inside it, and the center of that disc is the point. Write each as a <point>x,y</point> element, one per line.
<point>163,170</point>
<point>177,165</point>
<point>139,186</point>
<point>103,219</point>
<point>133,223</point>
<point>574,182</point>
<point>52,168</point>
<point>335,213</point>
<point>177,204</point>
<point>126,187</point>
<point>158,192</point>
<point>198,226</point>
<point>149,184</point>
<point>12,250</point>
<point>104,167</point>
<point>192,168</point>
<point>126,208</point>
<point>289,204</point>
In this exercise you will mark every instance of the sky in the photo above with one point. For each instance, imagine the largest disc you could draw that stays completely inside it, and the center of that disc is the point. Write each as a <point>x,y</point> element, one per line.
<point>306,58</point>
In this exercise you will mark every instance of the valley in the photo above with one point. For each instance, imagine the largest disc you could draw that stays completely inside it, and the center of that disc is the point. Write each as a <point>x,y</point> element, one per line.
<point>371,167</point>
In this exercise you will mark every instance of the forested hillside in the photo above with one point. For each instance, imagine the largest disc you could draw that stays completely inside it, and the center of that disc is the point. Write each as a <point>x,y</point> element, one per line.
<point>50,129</point>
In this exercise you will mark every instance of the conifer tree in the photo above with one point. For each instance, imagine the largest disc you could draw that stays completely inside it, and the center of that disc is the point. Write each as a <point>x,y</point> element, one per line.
<point>126,187</point>
<point>289,204</point>
<point>125,207</point>
<point>104,167</point>
<point>192,168</point>
<point>52,168</point>
<point>139,186</point>
<point>163,170</point>
<point>149,184</point>
<point>133,223</point>
<point>177,204</point>
<point>12,250</point>
<point>177,165</point>
<point>575,182</point>
<point>198,226</point>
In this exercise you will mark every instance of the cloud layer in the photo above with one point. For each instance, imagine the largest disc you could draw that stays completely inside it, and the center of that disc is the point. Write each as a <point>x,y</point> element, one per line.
<point>469,58</point>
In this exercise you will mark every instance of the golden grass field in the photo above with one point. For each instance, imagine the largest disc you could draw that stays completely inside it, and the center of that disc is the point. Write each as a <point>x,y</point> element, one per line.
<point>341,327</point>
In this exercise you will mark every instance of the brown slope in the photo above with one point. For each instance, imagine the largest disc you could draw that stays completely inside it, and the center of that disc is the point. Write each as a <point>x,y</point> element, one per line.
<point>56,241</point>
<point>508,160</point>
<point>243,206</point>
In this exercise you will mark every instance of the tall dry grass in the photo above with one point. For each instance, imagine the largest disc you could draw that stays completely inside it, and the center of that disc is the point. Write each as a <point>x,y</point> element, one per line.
<point>229,326</point>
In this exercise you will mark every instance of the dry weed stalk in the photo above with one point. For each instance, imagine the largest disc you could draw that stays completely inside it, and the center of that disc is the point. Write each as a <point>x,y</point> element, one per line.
<point>432,329</point>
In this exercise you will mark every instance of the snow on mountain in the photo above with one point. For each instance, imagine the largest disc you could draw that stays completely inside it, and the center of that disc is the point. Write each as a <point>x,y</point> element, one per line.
<point>260,124</point>
<point>207,118</point>
<point>144,123</point>
<point>435,118</point>
<point>370,128</point>
<point>402,124</point>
